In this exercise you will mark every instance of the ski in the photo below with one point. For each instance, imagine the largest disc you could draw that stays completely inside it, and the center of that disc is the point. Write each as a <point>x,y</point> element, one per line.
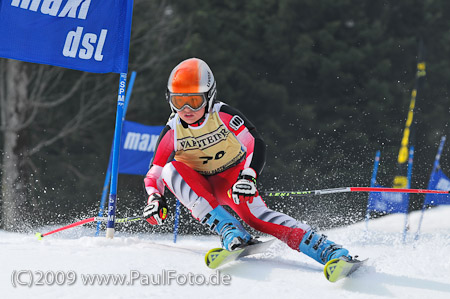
<point>218,257</point>
<point>340,268</point>
<point>334,270</point>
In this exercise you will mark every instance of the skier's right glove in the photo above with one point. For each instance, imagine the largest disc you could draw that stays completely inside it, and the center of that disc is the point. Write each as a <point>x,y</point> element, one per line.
<point>156,210</point>
<point>245,188</point>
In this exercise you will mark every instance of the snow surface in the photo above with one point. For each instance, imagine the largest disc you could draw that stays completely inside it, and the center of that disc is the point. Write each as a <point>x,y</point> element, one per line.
<point>416,269</point>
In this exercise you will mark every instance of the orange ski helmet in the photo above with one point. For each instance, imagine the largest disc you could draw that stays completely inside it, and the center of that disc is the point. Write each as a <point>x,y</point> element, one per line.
<point>191,84</point>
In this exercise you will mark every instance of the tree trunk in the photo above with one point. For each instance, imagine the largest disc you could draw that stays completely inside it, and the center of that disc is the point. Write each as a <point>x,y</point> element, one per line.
<point>13,186</point>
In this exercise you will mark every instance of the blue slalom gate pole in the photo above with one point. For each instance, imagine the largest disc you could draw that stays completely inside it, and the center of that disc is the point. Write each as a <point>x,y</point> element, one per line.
<point>409,175</point>
<point>104,193</point>
<point>129,91</point>
<point>110,225</point>
<point>435,167</point>
<point>373,181</point>
<point>177,220</point>
<point>108,171</point>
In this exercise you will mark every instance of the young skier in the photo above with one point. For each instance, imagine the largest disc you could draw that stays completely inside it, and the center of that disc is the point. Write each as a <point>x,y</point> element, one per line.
<point>209,156</point>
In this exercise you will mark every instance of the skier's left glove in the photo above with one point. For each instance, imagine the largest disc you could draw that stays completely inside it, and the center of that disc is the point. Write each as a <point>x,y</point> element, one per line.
<point>245,187</point>
<point>156,210</point>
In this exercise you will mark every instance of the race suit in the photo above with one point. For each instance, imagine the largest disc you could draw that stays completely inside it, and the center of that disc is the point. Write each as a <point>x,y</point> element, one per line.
<point>199,164</point>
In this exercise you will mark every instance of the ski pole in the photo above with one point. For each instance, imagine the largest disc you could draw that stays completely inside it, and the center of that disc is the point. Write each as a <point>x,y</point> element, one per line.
<point>351,189</point>
<point>87,220</point>
<point>119,220</point>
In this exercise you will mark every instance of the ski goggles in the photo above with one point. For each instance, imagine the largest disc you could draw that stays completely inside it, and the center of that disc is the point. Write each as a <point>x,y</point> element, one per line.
<point>194,101</point>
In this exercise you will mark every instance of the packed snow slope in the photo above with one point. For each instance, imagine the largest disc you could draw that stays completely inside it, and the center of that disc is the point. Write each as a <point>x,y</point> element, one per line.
<point>154,267</point>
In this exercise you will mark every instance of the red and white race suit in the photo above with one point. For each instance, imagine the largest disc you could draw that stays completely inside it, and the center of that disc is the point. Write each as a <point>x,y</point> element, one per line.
<point>199,164</point>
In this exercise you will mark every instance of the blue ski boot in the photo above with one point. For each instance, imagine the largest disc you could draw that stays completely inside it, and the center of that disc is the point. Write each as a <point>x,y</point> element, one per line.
<point>319,248</point>
<point>232,233</point>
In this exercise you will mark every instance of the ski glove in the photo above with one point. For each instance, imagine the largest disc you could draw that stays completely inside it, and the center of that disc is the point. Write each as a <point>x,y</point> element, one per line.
<point>245,187</point>
<point>156,210</point>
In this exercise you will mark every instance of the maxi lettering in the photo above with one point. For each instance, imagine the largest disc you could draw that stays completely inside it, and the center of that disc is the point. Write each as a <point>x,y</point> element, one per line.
<point>91,45</point>
<point>53,7</point>
<point>140,142</point>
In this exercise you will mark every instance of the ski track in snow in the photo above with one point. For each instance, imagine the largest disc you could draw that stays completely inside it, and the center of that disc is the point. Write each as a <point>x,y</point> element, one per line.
<point>416,269</point>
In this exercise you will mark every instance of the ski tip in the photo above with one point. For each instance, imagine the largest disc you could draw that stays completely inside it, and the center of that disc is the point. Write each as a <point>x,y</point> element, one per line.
<point>39,236</point>
<point>329,268</point>
<point>339,268</point>
<point>211,256</point>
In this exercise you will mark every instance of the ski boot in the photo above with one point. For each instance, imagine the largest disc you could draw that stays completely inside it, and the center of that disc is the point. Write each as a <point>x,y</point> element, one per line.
<point>232,234</point>
<point>319,248</point>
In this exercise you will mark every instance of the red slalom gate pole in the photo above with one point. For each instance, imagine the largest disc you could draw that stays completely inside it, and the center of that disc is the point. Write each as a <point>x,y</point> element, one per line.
<point>81,222</point>
<point>87,220</point>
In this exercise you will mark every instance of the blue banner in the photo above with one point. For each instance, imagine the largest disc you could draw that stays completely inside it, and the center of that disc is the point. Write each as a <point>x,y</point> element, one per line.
<point>388,202</point>
<point>86,35</point>
<point>438,181</point>
<point>137,147</point>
